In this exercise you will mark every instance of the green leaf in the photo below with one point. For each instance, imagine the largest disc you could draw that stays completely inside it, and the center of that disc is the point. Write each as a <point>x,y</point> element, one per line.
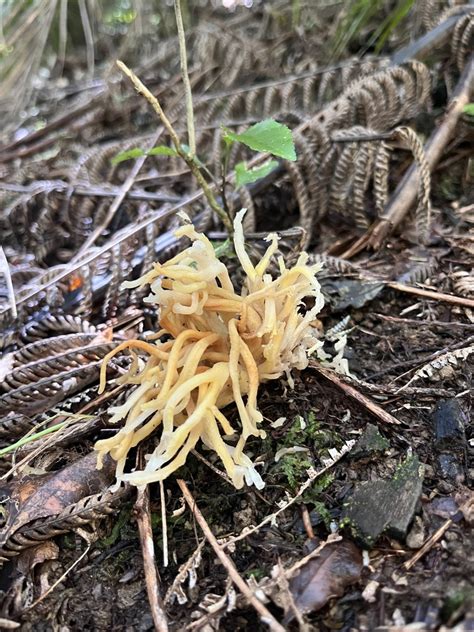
<point>267,136</point>
<point>127,155</point>
<point>246,176</point>
<point>469,109</point>
<point>161,150</point>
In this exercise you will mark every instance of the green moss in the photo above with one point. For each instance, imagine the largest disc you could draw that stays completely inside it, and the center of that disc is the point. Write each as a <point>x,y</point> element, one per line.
<point>256,573</point>
<point>118,529</point>
<point>293,467</point>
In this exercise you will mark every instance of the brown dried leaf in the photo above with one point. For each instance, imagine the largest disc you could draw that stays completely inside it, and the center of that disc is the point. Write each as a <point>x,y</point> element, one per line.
<point>338,565</point>
<point>38,554</point>
<point>46,496</point>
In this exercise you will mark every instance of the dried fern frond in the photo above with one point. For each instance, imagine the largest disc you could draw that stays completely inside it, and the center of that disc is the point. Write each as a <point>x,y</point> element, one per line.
<point>423,209</point>
<point>462,43</point>
<point>446,359</point>
<point>222,345</point>
<point>463,282</point>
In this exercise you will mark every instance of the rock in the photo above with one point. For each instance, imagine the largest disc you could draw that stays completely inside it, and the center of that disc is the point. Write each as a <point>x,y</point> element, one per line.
<point>416,537</point>
<point>385,506</point>
<point>449,422</point>
<point>369,444</point>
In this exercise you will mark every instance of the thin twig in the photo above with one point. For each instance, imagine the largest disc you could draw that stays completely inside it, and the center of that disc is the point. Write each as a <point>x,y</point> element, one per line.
<point>8,624</point>
<point>428,544</point>
<point>312,476</point>
<point>5,268</point>
<point>58,581</point>
<point>430,294</point>
<point>86,25</point>
<point>371,406</point>
<point>143,517</point>
<point>188,158</point>
<point>426,323</point>
<point>164,524</point>
<point>228,564</point>
<point>183,59</point>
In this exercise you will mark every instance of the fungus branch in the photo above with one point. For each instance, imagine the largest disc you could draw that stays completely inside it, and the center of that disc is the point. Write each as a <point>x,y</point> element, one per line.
<point>221,345</point>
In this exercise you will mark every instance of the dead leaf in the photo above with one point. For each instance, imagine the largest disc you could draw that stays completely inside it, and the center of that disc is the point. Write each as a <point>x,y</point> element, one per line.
<point>338,565</point>
<point>38,554</point>
<point>36,497</point>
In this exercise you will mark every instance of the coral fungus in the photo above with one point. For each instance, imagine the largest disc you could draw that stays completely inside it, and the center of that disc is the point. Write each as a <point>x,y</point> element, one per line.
<point>218,347</point>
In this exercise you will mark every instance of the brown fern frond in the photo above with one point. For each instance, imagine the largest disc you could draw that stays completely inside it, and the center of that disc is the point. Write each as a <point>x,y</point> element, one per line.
<point>462,43</point>
<point>85,511</point>
<point>451,358</point>
<point>463,282</point>
<point>423,210</point>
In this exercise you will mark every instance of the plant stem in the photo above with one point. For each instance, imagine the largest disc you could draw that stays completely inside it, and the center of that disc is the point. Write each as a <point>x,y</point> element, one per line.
<point>189,159</point>
<point>30,438</point>
<point>183,58</point>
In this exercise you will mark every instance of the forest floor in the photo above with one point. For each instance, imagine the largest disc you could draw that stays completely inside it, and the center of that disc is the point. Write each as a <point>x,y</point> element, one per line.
<point>367,526</point>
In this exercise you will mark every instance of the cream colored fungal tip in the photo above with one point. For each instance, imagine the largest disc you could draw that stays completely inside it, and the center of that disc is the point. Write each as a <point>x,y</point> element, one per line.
<point>220,345</point>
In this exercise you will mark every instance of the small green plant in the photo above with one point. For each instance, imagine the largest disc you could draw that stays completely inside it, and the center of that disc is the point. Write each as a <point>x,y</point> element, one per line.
<point>267,136</point>
<point>469,109</point>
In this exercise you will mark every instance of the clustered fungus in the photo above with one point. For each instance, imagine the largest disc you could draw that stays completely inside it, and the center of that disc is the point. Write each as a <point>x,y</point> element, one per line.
<point>219,346</point>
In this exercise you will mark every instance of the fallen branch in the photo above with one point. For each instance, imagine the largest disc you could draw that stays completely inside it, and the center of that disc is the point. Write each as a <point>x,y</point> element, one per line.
<point>437,535</point>
<point>431,294</point>
<point>142,513</point>
<point>228,564</point>
<point>371,406</point>
<point>405,194</point>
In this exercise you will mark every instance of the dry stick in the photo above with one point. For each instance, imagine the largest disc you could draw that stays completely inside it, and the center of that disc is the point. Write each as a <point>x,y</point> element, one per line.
<point>143,517</point>
<point>437,296</point>
<point>58,581</point>
<point>164,524</point>
<point>425,323</point>
<point>185,75</point>
<point>405,194</point>
<point>86,26</point>
<point>228,564</point>
<point>428,544</point>
<point>124,189</point>
<point>188,159</point>
<point>371,406</point>
<point>5,269</point>
<point>8,624</point>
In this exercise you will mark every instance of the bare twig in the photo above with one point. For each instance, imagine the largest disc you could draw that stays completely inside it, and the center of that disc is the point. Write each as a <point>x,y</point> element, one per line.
<point>58,581</point>
<point>8,624</point>
<point>142,513</point>
<point>5,269</point>
<point>405,194</point>
<point>184,72</point>
<point>430,294</point>
<point>371,406</point>
<point>426,323</point>
<point>228,564</point>
<point>164,523</point>
<point>86,25</point>
<point>437,535</point>
<point>189,159</point>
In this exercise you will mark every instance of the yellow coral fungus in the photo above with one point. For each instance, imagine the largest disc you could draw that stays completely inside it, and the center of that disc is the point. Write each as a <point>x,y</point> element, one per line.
<point>223,346</point>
